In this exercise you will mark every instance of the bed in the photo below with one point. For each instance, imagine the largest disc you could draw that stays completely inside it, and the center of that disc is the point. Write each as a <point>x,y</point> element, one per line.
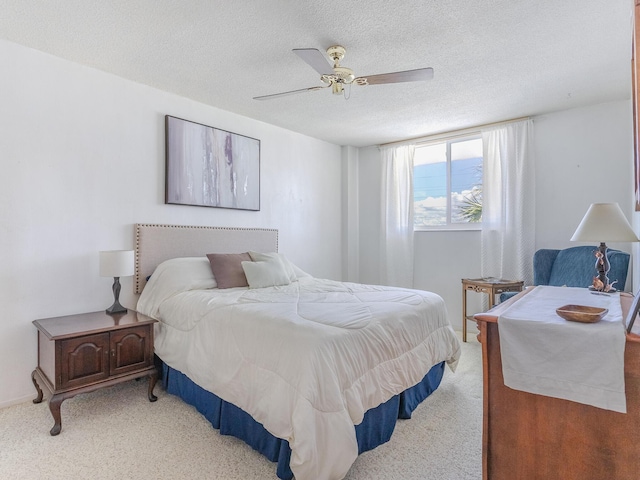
<point>310,372</point>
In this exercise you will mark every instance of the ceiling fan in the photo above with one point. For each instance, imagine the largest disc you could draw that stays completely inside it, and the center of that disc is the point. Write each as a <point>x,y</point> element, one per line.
<point>337,76</point>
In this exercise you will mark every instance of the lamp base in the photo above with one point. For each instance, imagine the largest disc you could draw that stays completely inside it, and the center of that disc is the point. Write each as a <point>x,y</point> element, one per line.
<point>611,289</point>
<point>601,282</point>
<point>116,308</point>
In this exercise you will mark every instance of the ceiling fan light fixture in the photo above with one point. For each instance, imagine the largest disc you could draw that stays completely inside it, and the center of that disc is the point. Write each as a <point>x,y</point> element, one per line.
<point>344,74</point>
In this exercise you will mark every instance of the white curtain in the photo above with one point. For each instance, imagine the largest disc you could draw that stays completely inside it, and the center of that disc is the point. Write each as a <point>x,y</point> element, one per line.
<point>396,239</point>
<point>508,202</point>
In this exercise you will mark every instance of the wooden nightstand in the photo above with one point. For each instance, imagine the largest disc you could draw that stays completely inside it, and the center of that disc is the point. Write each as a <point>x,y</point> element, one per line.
<point>492,287</point>
<point>85,352</point>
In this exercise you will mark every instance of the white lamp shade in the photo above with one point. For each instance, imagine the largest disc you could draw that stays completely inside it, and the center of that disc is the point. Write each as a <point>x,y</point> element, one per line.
<point>117,263</point>
<point>604,222</point>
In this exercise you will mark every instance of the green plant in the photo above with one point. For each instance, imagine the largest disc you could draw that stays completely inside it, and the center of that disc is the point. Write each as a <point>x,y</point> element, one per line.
<point>471,209</point>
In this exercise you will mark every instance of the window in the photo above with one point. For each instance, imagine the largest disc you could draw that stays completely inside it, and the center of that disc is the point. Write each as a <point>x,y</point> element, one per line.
<point>447,184</point>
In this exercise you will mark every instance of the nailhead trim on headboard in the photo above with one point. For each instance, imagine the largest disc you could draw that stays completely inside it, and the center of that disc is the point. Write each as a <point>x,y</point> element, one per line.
<point>158,242</point>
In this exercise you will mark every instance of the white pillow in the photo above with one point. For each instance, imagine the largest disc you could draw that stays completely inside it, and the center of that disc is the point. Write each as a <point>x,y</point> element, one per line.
<point>269,273</point>
<point>265,257</point>
<point>172,277</point>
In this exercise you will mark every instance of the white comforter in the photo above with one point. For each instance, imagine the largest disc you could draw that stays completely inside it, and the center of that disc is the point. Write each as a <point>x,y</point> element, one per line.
<point>306,360</point>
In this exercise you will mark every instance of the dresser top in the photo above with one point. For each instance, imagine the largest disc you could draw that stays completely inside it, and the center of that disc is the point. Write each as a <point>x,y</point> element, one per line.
<point>69,326</point>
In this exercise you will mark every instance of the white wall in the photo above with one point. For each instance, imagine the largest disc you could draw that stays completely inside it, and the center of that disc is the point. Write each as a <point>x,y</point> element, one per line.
<point>369,174</point>
<point>582,156</point>
<point>350,214</point>
<point>82,157</point>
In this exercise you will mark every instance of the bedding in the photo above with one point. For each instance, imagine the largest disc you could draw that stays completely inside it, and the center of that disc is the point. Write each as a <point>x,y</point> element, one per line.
<point>376,428</point>
<point>307,359</point>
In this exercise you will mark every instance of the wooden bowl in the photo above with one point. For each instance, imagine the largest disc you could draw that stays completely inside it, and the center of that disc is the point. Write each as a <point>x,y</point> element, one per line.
<point>581,313</point>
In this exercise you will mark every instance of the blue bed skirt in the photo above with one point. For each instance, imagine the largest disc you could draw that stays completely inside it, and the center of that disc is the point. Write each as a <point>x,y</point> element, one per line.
<point>376,428</point>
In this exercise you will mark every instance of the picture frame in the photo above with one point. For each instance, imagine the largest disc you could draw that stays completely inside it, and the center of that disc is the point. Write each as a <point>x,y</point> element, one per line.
<point>633,312</point>
<point>635,80</point>
<point>210,167</point>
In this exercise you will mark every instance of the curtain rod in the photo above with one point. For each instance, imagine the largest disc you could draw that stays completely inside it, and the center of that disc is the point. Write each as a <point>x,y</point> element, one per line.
<point>453,134</point>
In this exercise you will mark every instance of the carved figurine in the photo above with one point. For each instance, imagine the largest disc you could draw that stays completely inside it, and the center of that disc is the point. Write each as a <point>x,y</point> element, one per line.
<point>598,285</point>
<point>601,287</point>
<point>600,266</point>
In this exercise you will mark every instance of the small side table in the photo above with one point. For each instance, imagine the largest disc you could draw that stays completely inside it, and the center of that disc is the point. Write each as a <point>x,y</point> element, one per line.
<point>81,353</point>
<point>490,285</point>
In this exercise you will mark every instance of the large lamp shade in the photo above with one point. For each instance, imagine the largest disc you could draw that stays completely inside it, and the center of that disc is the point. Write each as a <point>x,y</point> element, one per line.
<point>604,222</point>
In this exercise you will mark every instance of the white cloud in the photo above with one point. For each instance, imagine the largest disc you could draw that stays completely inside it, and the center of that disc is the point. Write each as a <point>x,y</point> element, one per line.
<point>432,202</point>
<point>432,211</point>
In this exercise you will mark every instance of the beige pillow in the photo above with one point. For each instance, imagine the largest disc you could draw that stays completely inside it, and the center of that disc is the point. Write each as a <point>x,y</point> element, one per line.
<point>227,269</point>
<point>287,265</point>
<point>270,273</point>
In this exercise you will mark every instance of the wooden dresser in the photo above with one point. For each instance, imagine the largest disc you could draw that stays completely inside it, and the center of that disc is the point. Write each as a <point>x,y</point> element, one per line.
<point>534,437</point>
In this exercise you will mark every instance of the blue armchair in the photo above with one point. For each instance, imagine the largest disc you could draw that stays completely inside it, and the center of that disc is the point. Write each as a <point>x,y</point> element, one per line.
<point>575,267</point>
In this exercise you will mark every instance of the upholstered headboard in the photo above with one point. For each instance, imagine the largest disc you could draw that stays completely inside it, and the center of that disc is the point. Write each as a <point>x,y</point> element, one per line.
<point>157,243</point>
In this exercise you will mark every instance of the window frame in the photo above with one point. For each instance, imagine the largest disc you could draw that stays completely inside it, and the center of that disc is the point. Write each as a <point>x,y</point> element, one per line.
<point>468,226</point>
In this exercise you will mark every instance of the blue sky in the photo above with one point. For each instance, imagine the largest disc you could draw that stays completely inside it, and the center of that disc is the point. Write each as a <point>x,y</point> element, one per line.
<point>429,180</point>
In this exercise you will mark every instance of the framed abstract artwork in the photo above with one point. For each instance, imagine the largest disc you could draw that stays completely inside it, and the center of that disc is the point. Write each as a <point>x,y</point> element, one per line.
<point>209,167</point>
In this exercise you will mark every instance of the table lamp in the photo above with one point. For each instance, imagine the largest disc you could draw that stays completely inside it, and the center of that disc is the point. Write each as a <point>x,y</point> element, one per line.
<point>604,222</point>
<point>116,264</point>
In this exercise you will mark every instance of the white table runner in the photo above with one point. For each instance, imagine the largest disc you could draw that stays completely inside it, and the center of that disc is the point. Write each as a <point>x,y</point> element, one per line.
<point>544,354</point>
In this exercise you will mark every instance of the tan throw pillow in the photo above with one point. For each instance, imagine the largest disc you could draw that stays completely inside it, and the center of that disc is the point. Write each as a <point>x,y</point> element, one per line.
<point>227,269</point>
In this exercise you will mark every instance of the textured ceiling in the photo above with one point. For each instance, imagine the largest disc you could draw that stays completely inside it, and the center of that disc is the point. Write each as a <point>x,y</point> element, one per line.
<point>494,60</point>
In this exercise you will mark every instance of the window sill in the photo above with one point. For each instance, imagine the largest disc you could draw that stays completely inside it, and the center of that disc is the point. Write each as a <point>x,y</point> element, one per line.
<point>448,229</point>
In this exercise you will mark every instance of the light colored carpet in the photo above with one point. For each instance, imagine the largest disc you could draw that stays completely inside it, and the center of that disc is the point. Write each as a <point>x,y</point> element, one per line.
<point>116,433</point>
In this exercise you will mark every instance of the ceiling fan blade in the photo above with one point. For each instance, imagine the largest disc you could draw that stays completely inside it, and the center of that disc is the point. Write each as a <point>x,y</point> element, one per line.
<point>284,94</point>
<point>417,75</point>
<point>316,59</point>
